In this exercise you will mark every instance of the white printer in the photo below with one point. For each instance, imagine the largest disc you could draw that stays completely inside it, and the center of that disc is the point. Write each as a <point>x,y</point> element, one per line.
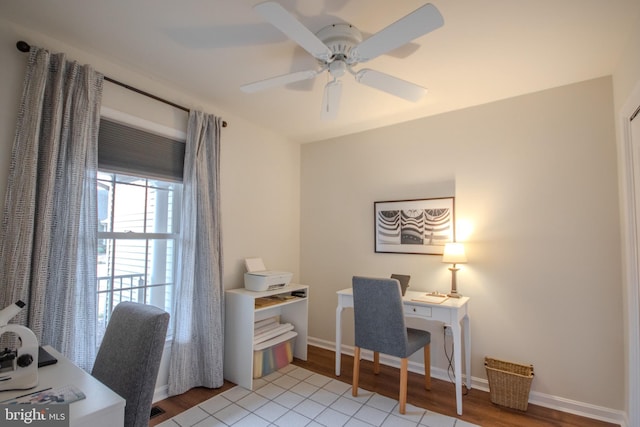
<point>258,278</point>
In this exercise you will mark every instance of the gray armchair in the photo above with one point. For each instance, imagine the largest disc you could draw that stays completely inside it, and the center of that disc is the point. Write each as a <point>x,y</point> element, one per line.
<point>380,327</point>
<point>129,357</point>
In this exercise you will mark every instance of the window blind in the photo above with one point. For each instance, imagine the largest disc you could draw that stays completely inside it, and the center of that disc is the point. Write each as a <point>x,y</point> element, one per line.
<point>128,150</point>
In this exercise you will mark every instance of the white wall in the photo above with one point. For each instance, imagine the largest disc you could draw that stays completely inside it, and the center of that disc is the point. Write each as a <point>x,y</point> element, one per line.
<point>627,74</point>
<point>535,177</point>
<point>259,170</point>
<point>626,85</point>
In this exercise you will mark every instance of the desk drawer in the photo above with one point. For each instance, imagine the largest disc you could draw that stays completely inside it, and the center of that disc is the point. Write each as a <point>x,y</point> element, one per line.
<point>417,310</point>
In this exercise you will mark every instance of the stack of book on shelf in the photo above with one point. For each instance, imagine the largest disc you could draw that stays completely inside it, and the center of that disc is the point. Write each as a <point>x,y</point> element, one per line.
<point>272,345</point>
<point>272,300</point>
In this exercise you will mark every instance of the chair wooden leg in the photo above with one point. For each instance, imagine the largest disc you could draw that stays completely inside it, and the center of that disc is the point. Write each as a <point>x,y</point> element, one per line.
<point>403,384</point>
<point>376,362</point>
<point>427,366</point>
<point>356,370</point>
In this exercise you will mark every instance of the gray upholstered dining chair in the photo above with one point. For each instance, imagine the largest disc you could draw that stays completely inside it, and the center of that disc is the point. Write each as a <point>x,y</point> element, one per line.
<point>380,327</point>
<point>129,357</point>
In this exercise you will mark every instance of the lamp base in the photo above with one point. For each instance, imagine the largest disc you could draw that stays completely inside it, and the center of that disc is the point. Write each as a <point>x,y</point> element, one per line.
<point>454,288</point>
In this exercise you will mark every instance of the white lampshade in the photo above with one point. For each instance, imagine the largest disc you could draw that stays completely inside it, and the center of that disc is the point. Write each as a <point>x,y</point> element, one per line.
<point>454,253</point>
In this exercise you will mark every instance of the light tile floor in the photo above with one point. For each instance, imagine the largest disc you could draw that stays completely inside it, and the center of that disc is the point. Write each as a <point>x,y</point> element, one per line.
<point>296,397</point>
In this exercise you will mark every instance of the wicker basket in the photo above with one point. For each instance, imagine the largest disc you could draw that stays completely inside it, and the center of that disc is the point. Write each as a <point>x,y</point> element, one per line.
<point>509,383</point>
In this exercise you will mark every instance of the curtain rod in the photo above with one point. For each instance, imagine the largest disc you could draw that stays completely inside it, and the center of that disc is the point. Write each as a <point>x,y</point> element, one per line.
<point>25,47</point>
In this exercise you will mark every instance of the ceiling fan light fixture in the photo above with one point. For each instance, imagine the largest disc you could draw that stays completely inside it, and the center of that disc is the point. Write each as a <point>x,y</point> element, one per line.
<point>339,47</point>
<point>337,68</point>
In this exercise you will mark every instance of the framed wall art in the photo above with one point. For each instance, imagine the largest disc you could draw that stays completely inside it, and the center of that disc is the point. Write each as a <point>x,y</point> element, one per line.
<point>420,226</point>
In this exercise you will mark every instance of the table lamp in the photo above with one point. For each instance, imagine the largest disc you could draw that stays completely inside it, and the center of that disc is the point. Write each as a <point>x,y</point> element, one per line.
<point>454,254</point>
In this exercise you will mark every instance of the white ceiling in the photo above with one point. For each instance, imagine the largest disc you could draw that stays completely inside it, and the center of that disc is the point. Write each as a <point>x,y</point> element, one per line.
<point>486,50</point>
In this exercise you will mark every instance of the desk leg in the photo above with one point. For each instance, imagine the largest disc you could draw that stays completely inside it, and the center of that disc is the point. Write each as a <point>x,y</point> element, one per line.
<point>338,337</point>
<point>467,350</point>
<point>457,364</point>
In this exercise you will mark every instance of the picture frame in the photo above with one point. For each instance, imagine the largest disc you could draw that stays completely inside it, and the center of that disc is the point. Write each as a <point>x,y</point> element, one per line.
<point>418,226</point>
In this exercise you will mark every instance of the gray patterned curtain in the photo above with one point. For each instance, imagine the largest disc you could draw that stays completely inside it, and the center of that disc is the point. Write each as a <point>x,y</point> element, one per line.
<point>48,234</point>
<point>197,350</point>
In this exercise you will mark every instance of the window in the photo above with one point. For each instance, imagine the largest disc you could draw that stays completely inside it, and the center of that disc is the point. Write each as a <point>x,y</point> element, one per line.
<point>139,198</point>
<point>138,230</point>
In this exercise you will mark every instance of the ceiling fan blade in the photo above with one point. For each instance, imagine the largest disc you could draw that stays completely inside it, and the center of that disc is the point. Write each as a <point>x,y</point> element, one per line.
<point>331,100</point>
<point>278,81</point>
<point>392,85</point>
<point>292,28</point>
<point>418,23</point>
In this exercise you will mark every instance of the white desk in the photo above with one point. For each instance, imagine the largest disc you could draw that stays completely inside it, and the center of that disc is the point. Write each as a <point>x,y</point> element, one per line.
<point>453,312</point>
<point>101,408</point>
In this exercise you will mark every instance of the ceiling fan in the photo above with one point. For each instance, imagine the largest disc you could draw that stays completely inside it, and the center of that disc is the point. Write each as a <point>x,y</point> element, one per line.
<point>339,47</point>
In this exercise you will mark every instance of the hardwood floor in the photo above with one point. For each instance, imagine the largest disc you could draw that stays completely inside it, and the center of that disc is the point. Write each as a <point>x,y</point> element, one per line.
<point>477,407</point>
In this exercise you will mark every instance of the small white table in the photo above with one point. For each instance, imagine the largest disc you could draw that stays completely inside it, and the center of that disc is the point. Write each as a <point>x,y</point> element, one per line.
<point>453,312</point>
<point>101,408</point>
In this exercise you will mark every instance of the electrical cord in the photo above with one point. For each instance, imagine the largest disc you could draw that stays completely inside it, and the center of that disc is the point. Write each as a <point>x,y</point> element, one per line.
<point>450,370</point>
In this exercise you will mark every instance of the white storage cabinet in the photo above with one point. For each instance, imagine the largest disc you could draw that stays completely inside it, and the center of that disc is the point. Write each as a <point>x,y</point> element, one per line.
<point>240,315</point>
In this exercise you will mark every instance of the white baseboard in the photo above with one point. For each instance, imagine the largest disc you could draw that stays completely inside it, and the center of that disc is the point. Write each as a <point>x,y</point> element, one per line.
<point>160,393</point>
<point>535,398</point>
